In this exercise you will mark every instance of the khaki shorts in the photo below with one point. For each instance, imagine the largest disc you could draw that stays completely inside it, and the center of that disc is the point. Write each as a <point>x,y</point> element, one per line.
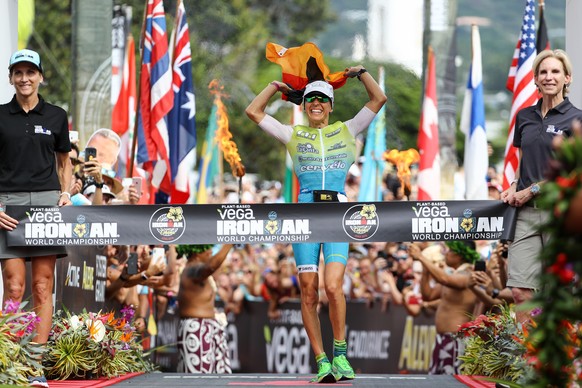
<point>524,266</point>
<point>41,198</point>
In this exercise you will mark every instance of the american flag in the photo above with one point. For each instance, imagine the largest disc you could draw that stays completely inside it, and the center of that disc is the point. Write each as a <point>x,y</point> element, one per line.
<point>156,98</point>
<point>521,82</point>
<point>181,122</point>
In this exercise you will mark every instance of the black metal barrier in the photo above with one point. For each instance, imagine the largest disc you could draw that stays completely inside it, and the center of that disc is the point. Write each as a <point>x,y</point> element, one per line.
<point>379,341</point>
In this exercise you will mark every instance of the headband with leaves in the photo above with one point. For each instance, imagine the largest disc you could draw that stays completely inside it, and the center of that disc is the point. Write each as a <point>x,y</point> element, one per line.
<point>187,250</point>
<point>462,249</point>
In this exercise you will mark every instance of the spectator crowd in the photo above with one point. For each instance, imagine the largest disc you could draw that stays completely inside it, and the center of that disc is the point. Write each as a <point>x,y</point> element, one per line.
<point>414,275</point>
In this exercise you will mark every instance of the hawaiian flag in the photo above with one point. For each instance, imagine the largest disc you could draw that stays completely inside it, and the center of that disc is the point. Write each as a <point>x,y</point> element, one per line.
<point>157,97</point>
<point>521,82</point>
<point>429,169</point>
<point>476,160</point>
<point>181,122</point>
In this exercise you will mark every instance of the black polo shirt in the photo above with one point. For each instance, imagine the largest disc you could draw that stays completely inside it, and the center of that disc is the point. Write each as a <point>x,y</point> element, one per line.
<point>534,134</point>
<point>28,142</point>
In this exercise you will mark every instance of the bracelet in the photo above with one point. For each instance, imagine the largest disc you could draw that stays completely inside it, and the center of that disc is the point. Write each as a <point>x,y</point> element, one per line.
<point>144,276</point>
<point>66,193</point>
<point>362,71</point>
<point>276,85</point>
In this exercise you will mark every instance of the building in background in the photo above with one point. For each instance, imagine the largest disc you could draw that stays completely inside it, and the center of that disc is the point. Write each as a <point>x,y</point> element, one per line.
<point>395,32</point>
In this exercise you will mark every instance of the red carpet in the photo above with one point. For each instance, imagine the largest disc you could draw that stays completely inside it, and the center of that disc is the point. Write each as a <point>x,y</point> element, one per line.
<point>96,383</point>
<point>475,381</point>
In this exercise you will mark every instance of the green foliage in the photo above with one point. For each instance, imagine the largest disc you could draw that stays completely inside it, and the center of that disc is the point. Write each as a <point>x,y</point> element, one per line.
<point>93,345</point>
<point>556,337</point>
<point>495,347</point>
<point>18,354</point>
<point>51,37</point>
<point>187,250</point>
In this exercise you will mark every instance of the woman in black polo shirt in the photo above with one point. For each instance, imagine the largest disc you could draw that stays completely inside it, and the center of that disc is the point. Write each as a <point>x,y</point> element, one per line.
<point>34,170</point>
<point>535,129</point>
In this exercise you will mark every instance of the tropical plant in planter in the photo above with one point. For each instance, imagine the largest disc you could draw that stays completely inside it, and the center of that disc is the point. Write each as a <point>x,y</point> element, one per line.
<point>93,345</point>
<point>495,347</point>
<point>18,354</point>
<point>556,340</point>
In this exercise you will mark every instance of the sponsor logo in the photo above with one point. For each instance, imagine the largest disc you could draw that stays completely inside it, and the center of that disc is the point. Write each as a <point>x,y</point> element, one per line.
<point>552,129</point>
<point>45,226</point>
<point>168,224</point>
<point>73,278</point>
<point>361,222</point>
<point>287,344</point>
<point>306,135</point>
<point>369,344</point>
<point>417,344</point>
<point>433,221</point>
<point>337,146</point>
<point>335,165</point>
<point>101,277</point>
<point>306,148</point>
<point>333,133</point>
<point>239,224</point>
<point>88,276</point>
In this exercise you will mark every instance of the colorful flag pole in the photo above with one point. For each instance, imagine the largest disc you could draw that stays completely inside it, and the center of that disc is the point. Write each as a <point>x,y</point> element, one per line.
<point>543,41</point>
<point>520,82</point>
<point>210,159</point>
<point>473,126</point>
<point>291,185</point>
<point>429,174</point>
<point>181,119</point>
<point>156,98</point>
<point>373,167</point>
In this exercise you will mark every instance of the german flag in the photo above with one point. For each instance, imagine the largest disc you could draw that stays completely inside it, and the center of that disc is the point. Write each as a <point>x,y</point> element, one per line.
<point>302,65</point>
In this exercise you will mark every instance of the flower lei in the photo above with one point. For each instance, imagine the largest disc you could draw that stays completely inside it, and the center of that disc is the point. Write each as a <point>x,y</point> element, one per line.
<point>555,339</point>
<point>463,250</point>
<point>187,250</point>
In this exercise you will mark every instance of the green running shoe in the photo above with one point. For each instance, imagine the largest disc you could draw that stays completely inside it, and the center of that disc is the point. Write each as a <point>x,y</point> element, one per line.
<point>341,369</point>
<point>324,373</point>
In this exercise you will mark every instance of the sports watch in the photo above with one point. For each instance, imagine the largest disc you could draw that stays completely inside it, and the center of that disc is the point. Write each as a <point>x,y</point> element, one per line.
<point>535,189</point>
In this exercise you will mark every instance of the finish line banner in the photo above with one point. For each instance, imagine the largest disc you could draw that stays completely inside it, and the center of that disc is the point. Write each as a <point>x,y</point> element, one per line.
<point>262,223</point>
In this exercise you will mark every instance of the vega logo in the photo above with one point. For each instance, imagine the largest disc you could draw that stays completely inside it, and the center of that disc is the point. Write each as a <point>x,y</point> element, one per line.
<point>45,226</point>
<point>434,222</point>
<point>288,349</point>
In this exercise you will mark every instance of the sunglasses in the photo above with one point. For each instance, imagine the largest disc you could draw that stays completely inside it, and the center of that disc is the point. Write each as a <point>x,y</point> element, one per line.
<point>318,98</point>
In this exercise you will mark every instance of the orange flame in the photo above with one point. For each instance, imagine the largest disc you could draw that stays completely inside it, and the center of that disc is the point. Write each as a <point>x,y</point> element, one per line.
<point>402,160</point>
<point>223,135</point>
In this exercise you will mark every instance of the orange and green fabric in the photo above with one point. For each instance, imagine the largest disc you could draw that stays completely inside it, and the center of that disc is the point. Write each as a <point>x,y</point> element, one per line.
<point>301,65</point>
